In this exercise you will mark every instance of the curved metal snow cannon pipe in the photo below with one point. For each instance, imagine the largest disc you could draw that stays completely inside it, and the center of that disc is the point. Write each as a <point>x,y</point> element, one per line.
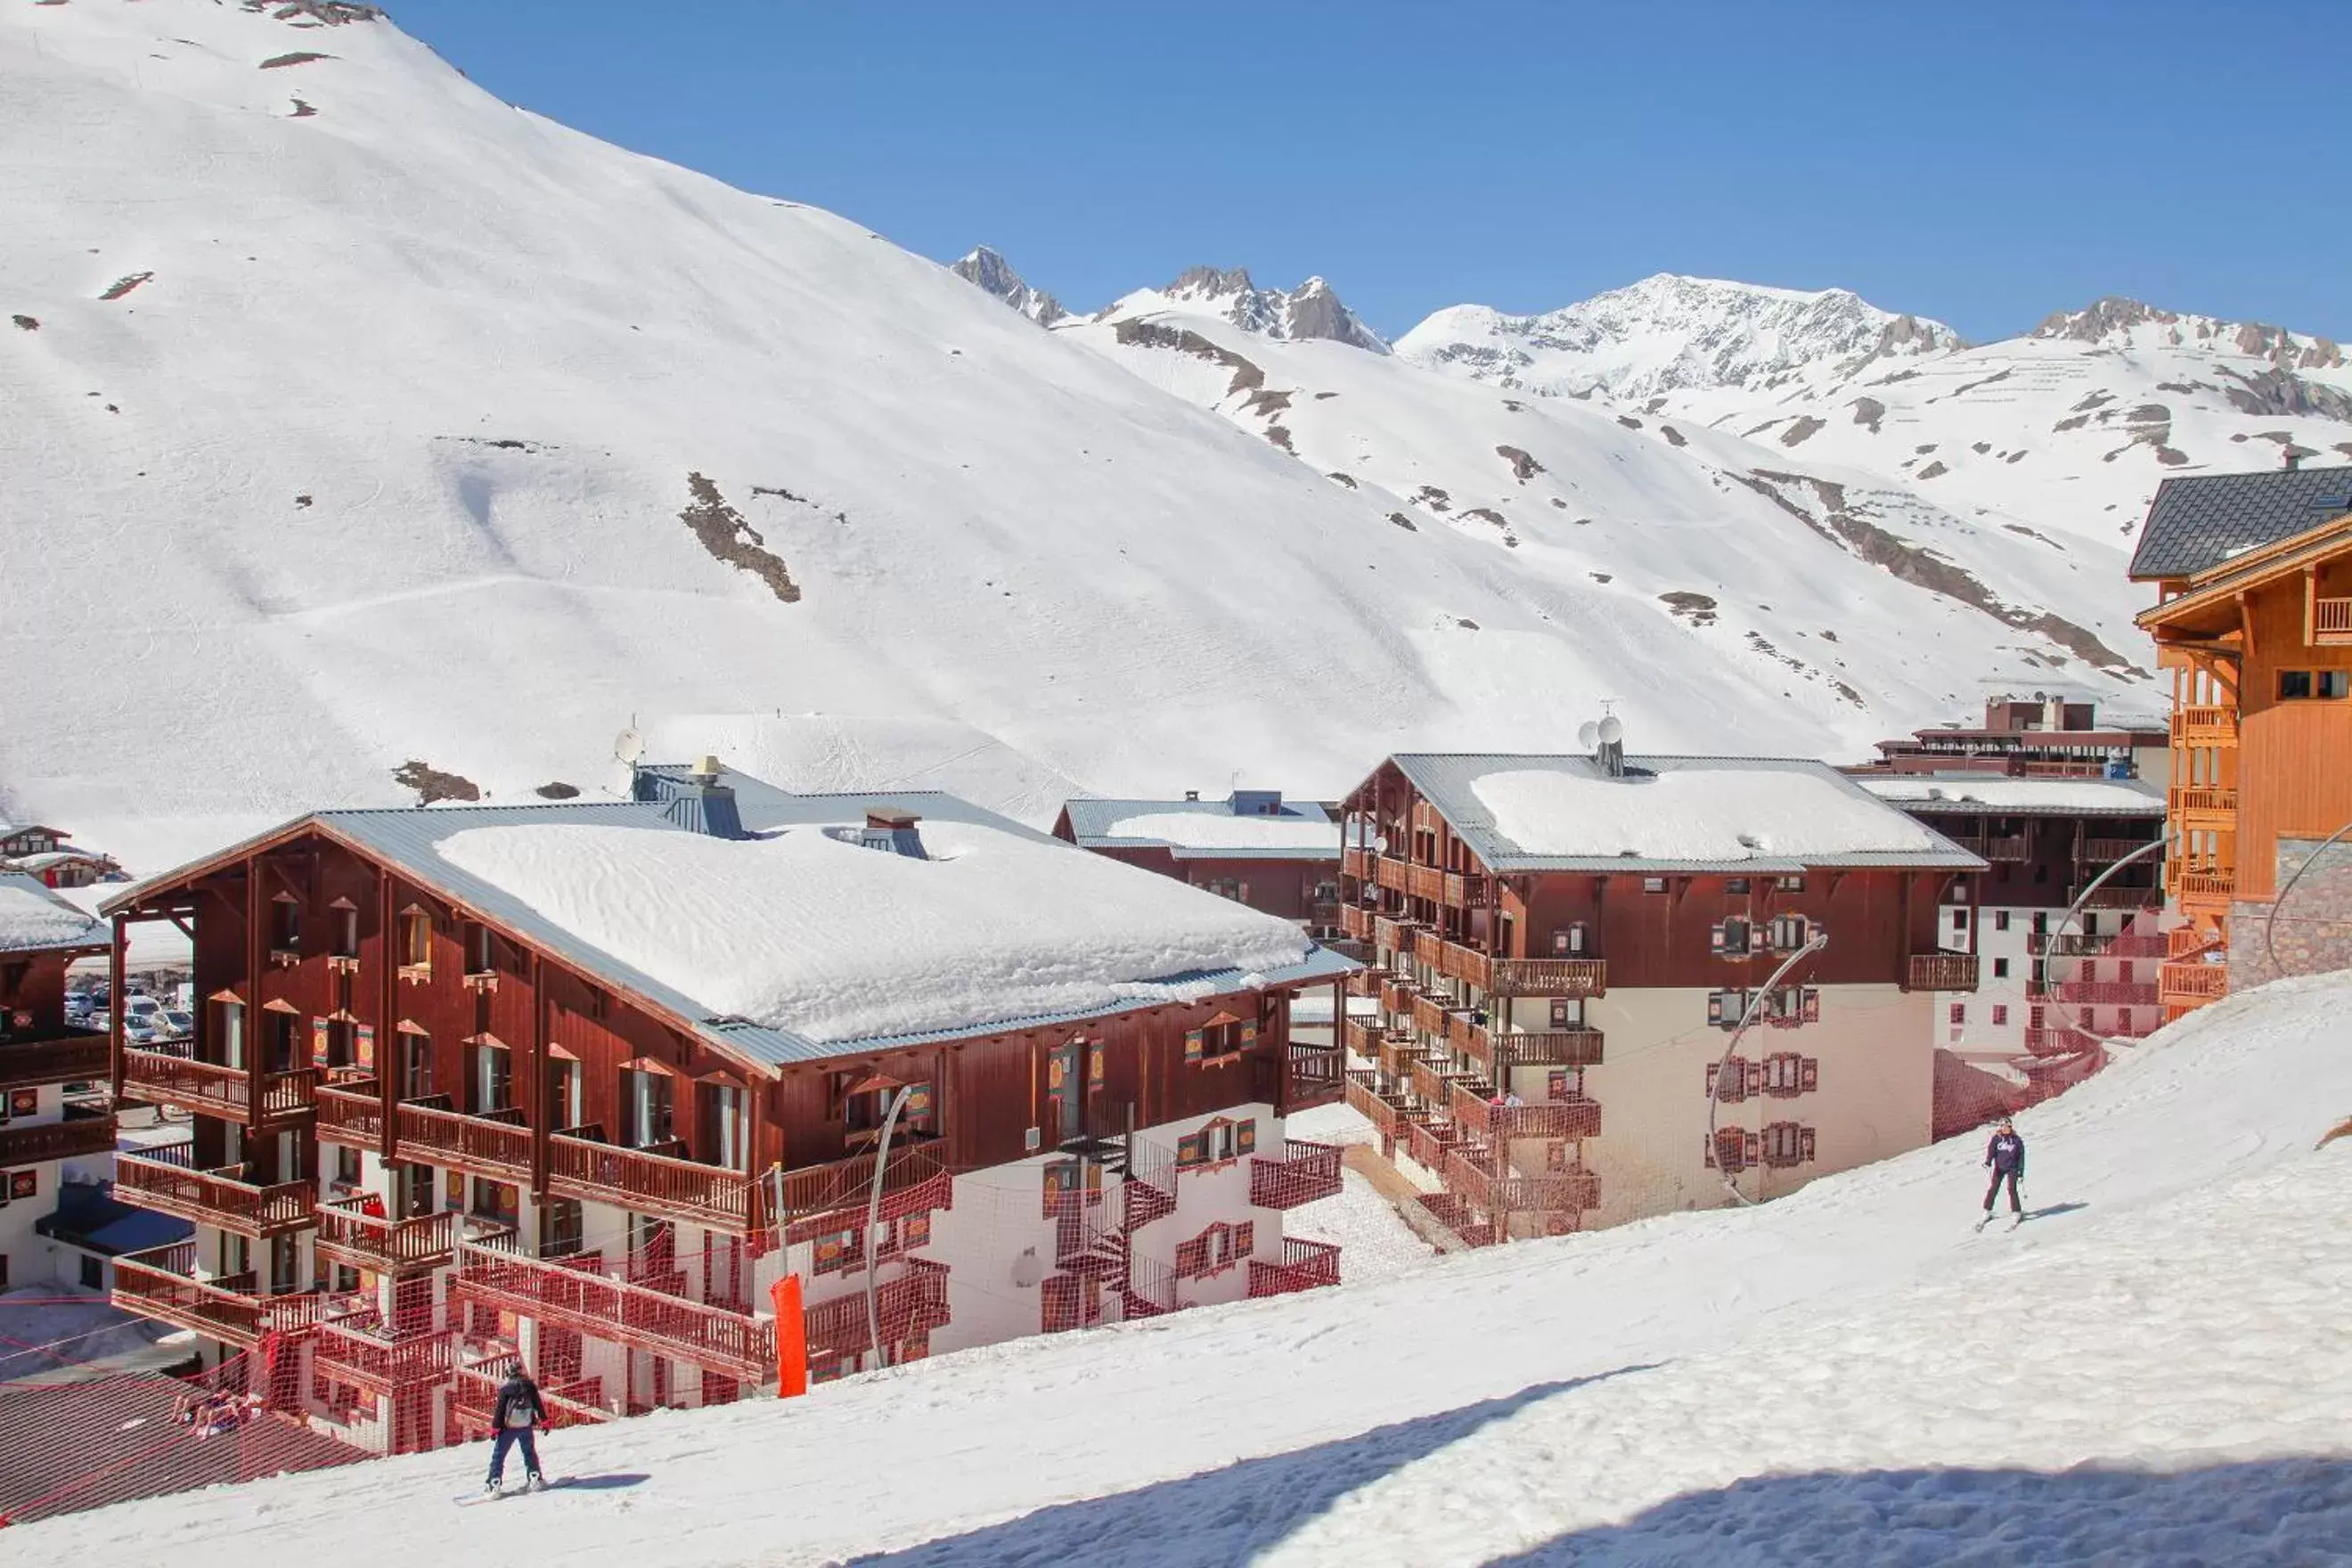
<point>2278,899</point>
<point>1747,1017</point>
<point>873,1221</point>
<point>2073,911</point>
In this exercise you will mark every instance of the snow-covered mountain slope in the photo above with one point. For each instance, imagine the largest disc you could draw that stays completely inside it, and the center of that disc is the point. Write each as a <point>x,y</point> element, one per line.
<point>1669,334</point>
<point>2148,1370</point>
<point>986,270</point>
<point>1311,311</point>
<point>350,418</point>
<point>2065,431</point>
<point>1736,567</point>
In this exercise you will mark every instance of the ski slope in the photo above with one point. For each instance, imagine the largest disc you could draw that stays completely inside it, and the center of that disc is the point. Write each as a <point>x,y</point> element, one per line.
<point>2151,1370</point>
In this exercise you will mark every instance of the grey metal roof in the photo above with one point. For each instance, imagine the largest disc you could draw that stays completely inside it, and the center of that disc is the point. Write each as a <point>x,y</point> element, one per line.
<point>2202,520</point>
<point>410,838</point>
<point>2129,798</point>
<point>1444,780</point>
<point>763,805</point>
<point>71,930</point>
<point>1092,819</point>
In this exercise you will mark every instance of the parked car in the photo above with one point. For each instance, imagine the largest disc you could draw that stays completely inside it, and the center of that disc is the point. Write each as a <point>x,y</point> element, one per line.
<point>139,1029</point>
<point>171,1023</point>
<point>137,1006</point>
<point>100,1020</point>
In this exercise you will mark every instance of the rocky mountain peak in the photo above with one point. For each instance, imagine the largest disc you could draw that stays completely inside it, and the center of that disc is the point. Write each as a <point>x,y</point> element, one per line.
<point>2115,321</point>
<point>987,270</point>
<point>1313,309</point>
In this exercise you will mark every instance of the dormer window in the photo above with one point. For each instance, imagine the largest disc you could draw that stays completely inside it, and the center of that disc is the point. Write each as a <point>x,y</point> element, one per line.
<point>285,925</point>
<point>346,927</point>
<point>416,942</point>
<point>481,951</point>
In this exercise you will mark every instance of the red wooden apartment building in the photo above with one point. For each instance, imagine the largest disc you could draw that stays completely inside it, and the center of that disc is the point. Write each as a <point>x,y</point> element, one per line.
<point>1561,943</point>
<point>1276,855</point>
<point>40,1054</point>
<point>583,1082</point>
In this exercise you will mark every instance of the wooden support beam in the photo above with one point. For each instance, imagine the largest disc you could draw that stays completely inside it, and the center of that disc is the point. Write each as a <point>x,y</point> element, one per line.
<point>116,980</point>
<point>540,1109</point>
<point>386,1037</point>
<point>255,1077</point>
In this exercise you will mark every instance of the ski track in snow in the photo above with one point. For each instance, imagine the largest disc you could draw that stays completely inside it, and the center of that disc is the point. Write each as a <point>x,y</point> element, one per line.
<point>2150,1370</point>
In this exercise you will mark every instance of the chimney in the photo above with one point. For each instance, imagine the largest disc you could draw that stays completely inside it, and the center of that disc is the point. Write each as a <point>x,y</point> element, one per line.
<point>706,769</point>
<point>1191,794</point>
<point>895,832</point>
<point>2291,457</point>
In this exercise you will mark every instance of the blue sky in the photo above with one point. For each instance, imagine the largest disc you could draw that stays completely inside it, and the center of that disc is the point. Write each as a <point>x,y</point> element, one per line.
<point>1984,162</point>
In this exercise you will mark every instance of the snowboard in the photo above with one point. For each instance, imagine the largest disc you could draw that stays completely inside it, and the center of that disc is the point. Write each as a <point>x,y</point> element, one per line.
<point>470,1499</point>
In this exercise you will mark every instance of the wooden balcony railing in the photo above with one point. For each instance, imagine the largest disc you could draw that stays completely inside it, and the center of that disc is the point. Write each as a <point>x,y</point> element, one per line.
<point>712,1338</point>
<point>76,1138</point>
<point>1368,1097</point>
<point>1364,1039</point>
<point>2205,725</point>
<point>2117,895</point>
<point>161,1283</point>
<point>2100,851</point>
<point>1546,1118</point>
<point>475,1396</point>
<point>348,1234</point>
<point>1306,1173</point>
<point>1525,976</point>
<point>1356,921</point>
<point>2012,848</point>
<point>75,1058</point>
<point>2204,807</point>
<point>355,1347</point>
<point>429,1132</point>
<point>1551,1048</point>
<point>2212,888</point>
<point>1425,882</point>
<point>2189,942</point>
<point>352,1113</point>
<point>1941,971</point>
<point>1570,1192</point>
<point>1464,890</point>
<point>1389,872</point>
<point>167,1181</point>
<point>1312,1075</point>
<point>916,1179</point>
<point>2331,621</point>
<point>1367,982</point>
<point>1355,861</point>
<point>2106,992</point>
<point>1396,995</point>
<point>648,1182</point>
<point>1305,1266</point>
<point>914,1303</point>
<point>171,1075</point>
<point>2194,981</point>
<point>1429,1016</point>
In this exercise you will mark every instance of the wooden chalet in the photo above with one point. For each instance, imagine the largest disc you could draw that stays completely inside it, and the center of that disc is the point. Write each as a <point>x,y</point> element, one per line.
<point>446,1116</point>
<point>40,1055</point>
<point>1560,941</point>
<point>2253,576</point>
<point>1253,847</point>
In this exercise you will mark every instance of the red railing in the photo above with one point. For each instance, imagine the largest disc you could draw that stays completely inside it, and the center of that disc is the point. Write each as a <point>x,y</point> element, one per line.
<point>1546,1118</point>
<point>911,1183</point>
<point>1429,1015</point>
<point>166,1179</point>
<point>352,1113</point>
<point>1463,888</point>
<point>1569,1192</point>
<point>353,1347</point>
<point>172,1076</point>
<point>70,1058</point>
<point>614,1309</point>
<point>2105,850</point>
<point>1370,1100</point>
<point>2106,992</point>
<point>1364,1039</point>
<point>161,1283</point>
<point>576,1404</point>
<point>348,1234</point>
<point>2196,979</point>
<point>1306,1173</point>
<point>429,1132</point>
<point>1425,882</point>
<point>1537,1047</point>
<point>1389,872</point>
<point>1305,1266</point>
<point>1312,1075</point>
<point>648,1182</point>
<point>1941,971</point>
<point>1525,976</point>
<point>914,1303</point>
<point>77,1138</point>
<point>1356,921</point>
<point>1355,861</point>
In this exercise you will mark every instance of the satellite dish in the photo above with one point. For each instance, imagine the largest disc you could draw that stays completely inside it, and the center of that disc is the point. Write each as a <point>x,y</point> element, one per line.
<point>1612,730</point>
<point>628,745</point>
<point>1587,734</point>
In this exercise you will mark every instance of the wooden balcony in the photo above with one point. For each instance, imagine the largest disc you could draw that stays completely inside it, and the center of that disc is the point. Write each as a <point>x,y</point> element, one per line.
<point>1356,861</point>
<point>2012,848</point>
<point>644,1181</point>
<point>167,1181</point>
<point>1546,1118</point>
<point>2203,808</point>
<point>1370,1098</point>
<point>474,1395</point>
<point>1368,981</point>
<point>2331,623</point>
<point>1305,1266</point>
<point>1305,1174</point>
<point>429,1132</point>
<point>1429,1015</point>
<point>348,1235</point>
<point>2205,890</point>
<point>1364,1039</point>
<point>1464,890</point>
<point>171,1075</point>
<point>351,1111</point>
<point>161,1284</point>
<point>2105,992</point>
<point>1551,1048</point>
<point>1524,976</point>
<point>914,1303</point>
<point>2203,726</point>
<point>2105,851</point>
<point>2117,895</point>
<point>2189,942</point>
<point>916,1180</point>
<point>712,1338</point>
<point>72,1057</point>
<point>357,1347</point>
<point>1396,1055</point>
<point>1389,872</point>
<point>1356,921</point>
<point>1397,996</point>
<point>1941,971</point>
<point>1312,1075</point>
<point>74,1138</point>
<point>1569,1192</point>
<point>2192,983</point>
<point>1425,882</point>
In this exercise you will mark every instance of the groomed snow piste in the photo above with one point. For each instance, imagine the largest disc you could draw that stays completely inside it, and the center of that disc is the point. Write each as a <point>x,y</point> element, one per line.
<point>2152,1369</point>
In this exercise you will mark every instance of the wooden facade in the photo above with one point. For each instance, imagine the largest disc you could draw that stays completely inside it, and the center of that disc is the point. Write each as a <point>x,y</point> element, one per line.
<point>351,1014</point>
<point>2260,650</point>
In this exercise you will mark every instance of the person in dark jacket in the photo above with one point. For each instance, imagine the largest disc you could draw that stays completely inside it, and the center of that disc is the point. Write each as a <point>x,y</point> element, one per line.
<point>2005,1158</point>
<point>518,1416</point>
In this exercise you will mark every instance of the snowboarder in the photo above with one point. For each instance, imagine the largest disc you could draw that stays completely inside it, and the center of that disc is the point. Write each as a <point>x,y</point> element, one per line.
<point>518,1416</point>
<point>2005,1158</point>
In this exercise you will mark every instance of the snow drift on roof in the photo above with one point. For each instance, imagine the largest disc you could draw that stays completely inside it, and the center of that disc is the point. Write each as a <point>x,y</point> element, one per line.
<point>1730,815</point>
<point>34,919</point>
<point>2022,794</point>
<point>1222,830</point>
<point>803,932</point>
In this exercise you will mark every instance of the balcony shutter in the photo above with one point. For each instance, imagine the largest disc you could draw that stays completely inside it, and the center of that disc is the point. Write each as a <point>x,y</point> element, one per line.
<point>1809,1075</point>
<point>1248,1027</point>
<point>1715,1008</point>
<point>1245,1136</point>
<point>1188,1150</point>
<point>1192,1045</point>
<point>1244,1239</point>
<point>1753,1074</point>
<point>1714,937</point>
<point>1805,1145</point>
<point>1812,1006</point>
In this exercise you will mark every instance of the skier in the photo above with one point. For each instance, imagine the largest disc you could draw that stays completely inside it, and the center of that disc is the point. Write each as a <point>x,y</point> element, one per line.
<point>520,1413</point>
<point>2005,1158</point>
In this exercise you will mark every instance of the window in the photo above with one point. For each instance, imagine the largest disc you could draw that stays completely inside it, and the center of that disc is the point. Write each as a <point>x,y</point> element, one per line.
<point>2001,920</point>
<point>2082,1020</point>
<point>1731,1150</point>
<point>1564,1084</point>
<point>720,1125</point>
<point>1787,1074</point>
<point>1724,1008</point>
<point>347,1165</point>
<point>563,1093</point>
<point>93,1273</point>
<point>228,1022</point>
<point>1223,1035</point>
<point>285,1040</point>
<point>1790,884</point>
<point>1787,1143</point>
<point>415,1064</point>
<point>415,939</point>
<point>1731,938</point>
<point>1790,1006</point>
<point>1217,1142</point>
<point>481,949</point>
<point>1791,932</point>
<point>1735,885</point>
<point>2040,872</point>
<point>1999,1014</point>
<point>285,924</point>
<point>2042,923</point>
<point>2123,1022</point>
<point>347,928</point>
<point>1567,1013</point>
<point>1959,1013</point>
<point>1959,919</point>
<point>563,1226</point>
<point>1215,1250</point>
<point>2334,683</point>
<point>416,1190</point>
<point>1726,1081</point>
<point>2294,684</point>
<point>2000,969</point>
<point>2124,972</point>
<point>495,1202</point>
<point>1653,884</point>
<point>490,1078</point>
<point>647,1110</point>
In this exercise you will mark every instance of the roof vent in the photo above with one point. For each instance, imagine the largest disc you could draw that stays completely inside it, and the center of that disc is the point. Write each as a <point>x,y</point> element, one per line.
<point>1191,794</point>
<point>894,832</point>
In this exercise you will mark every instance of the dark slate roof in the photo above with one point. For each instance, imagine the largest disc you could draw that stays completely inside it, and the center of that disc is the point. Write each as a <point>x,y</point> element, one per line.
<point>1092,819</point>
<point>410,838</point>
<point>2200,521</point>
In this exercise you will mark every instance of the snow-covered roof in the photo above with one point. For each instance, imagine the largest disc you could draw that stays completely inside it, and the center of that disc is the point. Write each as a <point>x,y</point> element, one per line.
<point>48,857</point>
<point>1208,829</point>
<point>1975,794</point>
<point>795,943</point>
<point>1773,814</point>
<point>32,919</point>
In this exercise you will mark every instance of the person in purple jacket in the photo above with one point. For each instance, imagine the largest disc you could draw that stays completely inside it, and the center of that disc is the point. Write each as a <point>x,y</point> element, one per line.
<point>2005,1158</point>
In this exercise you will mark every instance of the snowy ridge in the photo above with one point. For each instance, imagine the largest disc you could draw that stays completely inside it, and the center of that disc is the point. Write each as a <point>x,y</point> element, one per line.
<point>991,274</point>
<point>1311,311</point>
<point>2147,1366</point>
